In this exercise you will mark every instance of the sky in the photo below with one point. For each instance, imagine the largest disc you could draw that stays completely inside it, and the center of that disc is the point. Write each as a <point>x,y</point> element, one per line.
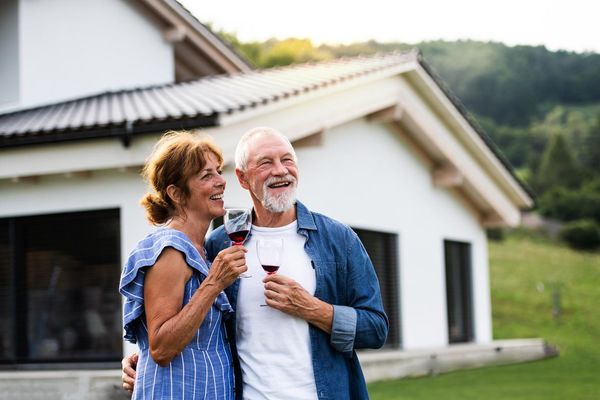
<point>557,24</point>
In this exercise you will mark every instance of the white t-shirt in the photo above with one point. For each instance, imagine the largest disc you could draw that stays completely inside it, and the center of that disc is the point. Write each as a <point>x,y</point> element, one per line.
<point>274,347</point>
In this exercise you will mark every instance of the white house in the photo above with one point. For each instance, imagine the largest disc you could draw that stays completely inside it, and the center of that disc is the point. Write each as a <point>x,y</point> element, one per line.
<point>382,144</point>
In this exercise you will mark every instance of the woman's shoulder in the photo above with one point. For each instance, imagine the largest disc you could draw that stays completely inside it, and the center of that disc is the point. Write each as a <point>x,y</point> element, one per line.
<point>159,239</point>
<point>149,249</point>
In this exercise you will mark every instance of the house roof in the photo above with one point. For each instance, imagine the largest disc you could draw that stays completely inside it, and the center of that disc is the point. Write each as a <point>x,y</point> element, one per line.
<point>419,106</point>
<point>190,104</point>
<point>199,103</point>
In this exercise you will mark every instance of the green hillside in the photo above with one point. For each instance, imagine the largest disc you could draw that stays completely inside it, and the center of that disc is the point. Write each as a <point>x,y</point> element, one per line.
<point>524,274</point>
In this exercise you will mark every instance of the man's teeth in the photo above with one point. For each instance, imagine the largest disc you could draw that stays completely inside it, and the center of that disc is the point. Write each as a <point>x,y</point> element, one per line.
<point>217,197</point>
<point>280,184</point>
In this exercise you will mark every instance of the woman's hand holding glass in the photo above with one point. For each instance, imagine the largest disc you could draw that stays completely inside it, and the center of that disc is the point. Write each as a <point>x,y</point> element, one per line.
<point>228,265</point>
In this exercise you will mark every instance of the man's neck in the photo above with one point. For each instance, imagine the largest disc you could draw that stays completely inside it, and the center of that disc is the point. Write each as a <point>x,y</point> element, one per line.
<point>270,219</point>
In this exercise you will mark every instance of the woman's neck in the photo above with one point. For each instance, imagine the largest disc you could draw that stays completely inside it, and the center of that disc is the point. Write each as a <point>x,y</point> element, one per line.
<point>192,228</point>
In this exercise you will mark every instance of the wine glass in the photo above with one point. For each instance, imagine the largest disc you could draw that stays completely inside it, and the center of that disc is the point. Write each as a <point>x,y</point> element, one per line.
<point>269,253</point>
<point>238,222</point>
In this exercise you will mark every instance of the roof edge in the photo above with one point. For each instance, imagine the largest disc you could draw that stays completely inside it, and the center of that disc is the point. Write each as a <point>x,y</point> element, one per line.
<point>472,121</point>
<point>162,8</point>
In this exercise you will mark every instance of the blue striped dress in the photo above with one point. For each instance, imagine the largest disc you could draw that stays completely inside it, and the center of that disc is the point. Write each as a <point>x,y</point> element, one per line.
<point>204,370</point>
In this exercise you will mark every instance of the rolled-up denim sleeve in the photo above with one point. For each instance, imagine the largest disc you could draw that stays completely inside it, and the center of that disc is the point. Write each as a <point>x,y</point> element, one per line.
<point>343,328</point>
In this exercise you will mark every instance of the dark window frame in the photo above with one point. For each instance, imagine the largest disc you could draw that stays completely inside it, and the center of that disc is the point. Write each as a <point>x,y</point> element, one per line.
<point>388,274</point>
<point>19,354</point>
<point>459,291</point>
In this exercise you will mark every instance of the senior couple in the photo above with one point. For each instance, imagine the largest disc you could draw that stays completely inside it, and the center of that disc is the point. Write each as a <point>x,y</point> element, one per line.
<point>199,327</point>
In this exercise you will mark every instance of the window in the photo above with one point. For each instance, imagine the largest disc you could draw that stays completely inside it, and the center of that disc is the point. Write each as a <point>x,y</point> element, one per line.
<point>383,250</point>
<point>6,344</point>
<point>59,298</point>
<point>458,291</point>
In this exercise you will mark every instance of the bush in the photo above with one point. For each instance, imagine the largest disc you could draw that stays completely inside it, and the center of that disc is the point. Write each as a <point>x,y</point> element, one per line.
<point>581,234</point>
<point>570,205</point>
<point>495,234</point>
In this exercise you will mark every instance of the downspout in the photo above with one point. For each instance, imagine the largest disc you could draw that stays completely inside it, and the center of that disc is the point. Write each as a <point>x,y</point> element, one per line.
<point>127,136</point>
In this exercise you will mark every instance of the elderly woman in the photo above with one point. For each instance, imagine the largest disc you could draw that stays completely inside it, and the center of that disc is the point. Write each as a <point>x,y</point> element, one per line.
<point>175,304</point>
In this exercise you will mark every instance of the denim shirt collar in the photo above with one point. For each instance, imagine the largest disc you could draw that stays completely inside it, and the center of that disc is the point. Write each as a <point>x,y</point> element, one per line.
<point>304,217</point>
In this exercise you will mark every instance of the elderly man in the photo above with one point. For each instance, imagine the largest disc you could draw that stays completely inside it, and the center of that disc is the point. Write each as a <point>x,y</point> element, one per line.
<point>324,303</point>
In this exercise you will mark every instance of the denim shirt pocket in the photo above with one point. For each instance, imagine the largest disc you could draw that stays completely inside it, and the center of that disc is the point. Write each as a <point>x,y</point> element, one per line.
<point>331,286</point>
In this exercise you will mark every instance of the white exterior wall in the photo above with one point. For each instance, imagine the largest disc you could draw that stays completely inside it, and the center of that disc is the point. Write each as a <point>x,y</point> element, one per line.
<point>9,52</point>
<point>88,47</point>
<point>365,176</point>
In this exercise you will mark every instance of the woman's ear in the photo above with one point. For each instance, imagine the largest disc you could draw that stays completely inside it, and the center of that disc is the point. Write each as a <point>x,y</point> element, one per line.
<point>174,194</point>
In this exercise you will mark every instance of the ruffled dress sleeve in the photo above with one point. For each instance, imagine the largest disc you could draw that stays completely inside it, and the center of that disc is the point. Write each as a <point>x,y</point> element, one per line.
<point>145,255</point>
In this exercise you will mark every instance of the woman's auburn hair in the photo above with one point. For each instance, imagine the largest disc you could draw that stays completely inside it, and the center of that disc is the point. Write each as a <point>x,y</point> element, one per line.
<point>175,159</point>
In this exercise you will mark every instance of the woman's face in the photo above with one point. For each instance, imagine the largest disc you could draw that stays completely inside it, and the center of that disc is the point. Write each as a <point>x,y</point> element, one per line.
<point>206,191</point>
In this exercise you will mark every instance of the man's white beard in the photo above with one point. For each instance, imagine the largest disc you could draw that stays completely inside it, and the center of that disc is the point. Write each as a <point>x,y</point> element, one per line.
<point>282,201</point>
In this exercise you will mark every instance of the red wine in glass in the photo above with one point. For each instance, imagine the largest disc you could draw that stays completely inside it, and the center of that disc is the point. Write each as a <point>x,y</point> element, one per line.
<point>270,269</point>
<point>238,237</point>
<point>238,222</point>
<point>269,252</point>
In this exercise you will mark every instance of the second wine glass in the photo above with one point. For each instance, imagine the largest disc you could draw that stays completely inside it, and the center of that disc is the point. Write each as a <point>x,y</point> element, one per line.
<point>269,252</point>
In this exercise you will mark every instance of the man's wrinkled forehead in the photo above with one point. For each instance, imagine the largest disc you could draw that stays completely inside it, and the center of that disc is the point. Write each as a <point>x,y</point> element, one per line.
<point>261,143</point>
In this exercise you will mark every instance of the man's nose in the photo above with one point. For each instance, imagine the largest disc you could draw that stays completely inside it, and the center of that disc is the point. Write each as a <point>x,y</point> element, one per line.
<point>279,168</point>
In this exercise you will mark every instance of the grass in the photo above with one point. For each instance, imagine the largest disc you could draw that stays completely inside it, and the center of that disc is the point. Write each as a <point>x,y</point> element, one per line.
<point>525,275</point>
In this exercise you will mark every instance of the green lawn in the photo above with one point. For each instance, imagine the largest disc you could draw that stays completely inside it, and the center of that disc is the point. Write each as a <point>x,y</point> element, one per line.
<point>524,274</point>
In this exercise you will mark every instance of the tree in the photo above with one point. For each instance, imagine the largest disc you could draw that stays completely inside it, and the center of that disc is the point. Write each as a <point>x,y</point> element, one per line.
<point>558,167</point>
<point>592,147</point>
<point>290,51</point>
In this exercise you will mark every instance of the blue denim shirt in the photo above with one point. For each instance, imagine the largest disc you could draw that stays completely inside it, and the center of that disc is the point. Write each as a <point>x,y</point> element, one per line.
<point>345,279</point>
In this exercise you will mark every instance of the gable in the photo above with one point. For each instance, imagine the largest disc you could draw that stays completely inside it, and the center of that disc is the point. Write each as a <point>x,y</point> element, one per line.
<point>197,50</point>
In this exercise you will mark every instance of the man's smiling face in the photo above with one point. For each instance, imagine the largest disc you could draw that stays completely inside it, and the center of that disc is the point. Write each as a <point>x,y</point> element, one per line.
<point>271,173</point>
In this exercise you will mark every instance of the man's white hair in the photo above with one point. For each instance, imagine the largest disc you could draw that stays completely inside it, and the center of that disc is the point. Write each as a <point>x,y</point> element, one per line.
<point>241,151</point>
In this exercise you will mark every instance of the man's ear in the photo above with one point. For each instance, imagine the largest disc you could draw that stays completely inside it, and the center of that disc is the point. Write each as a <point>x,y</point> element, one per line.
<point>242,179</point>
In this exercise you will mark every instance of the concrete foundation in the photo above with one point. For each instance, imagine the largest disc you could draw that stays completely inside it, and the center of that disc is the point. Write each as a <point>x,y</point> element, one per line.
<point>383,365</point>
<point>377,365</point>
